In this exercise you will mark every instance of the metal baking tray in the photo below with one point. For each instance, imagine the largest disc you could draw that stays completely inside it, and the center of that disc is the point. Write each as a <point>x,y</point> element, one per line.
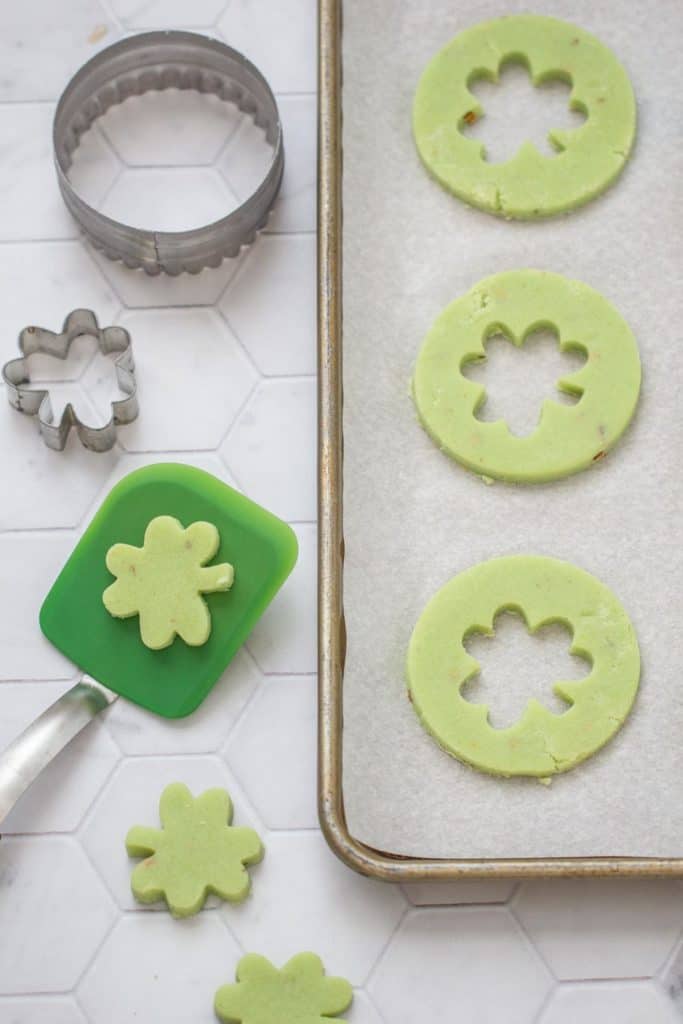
<point>331,630</point>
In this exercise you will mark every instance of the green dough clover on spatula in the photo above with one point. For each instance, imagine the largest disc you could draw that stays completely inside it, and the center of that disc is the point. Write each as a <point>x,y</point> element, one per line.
<point>159,594</point>
<point>163,581</point>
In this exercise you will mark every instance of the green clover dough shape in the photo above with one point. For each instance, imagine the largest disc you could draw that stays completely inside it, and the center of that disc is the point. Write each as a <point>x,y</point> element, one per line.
<point>529,185</point>
<point>196,852</point>
<point>542,590</point>
<point>163,581</point>
<point>568,438</point>
<point>298,994</point>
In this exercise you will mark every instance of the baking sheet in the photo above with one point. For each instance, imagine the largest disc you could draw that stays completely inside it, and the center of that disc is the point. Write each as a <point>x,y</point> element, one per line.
<point>412,518</point>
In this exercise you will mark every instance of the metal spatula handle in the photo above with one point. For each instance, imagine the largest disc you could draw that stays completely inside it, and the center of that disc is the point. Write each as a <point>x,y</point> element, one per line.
<point>40,742</point>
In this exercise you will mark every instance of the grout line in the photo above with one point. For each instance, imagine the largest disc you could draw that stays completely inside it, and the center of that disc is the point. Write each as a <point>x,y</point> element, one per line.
<point>217,19</point>
<point>533,948</point>
<point>668,960</point>
<point>289,377</point>
<point>296,92</point>
<point>238,415</point>
<point>222,750</point>
<point>36,531</point>
<point>224,462</point>
<point>107,192</point>
<point>294,830</point>
<point>223,916</point>
<point>239,121</point>
<point>512,896</point>
<point>669,992</point>
<point>407,912</point>
<point>242,259</point>
<point>120,158</point>
<point>243,347</point>
<point>373,1003</point>
<point>113,17</point>
<point>199,165</point>
<point>538,1016</point>
<point>40,101</point>
<point>99,132</point>
<point>105,781</point>
<point>99,945</point>
<point>283,675</point>
<point>275,232</point>
<point>517,920</point>
<point>73,239</point>
<point>84,824</point>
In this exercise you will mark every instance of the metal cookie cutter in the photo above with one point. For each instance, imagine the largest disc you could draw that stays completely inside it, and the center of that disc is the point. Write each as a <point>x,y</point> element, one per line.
<point>155,61</point>
<point>37,401</point>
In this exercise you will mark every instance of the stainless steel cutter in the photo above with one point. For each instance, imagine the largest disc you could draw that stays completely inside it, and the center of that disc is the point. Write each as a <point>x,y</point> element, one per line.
<point>35,401</point>
<point>154,61</point>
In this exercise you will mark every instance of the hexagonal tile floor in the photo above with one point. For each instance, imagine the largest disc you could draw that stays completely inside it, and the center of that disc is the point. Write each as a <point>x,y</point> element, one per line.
<point>226,363</point>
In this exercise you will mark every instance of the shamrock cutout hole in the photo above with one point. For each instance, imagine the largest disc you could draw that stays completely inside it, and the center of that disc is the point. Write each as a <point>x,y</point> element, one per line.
<point>519,376</point>
<point>197,851</point>
<point>516,665</point>
<point>299,993</point>
<point>516,111</point>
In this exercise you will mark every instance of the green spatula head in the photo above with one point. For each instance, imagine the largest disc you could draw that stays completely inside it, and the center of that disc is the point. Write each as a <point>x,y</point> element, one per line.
<point>174,680</point>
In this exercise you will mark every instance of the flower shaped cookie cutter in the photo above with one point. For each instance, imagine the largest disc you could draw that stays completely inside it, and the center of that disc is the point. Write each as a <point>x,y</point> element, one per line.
<point>33,401</point>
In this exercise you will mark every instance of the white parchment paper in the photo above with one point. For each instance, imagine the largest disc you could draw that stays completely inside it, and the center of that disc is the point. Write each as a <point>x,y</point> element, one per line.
<point>413,518</point>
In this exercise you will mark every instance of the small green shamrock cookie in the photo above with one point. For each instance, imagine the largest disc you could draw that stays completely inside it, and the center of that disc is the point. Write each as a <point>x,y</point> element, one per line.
<point>163,581</point>
<point>298,994</point>
<point>568,438</point>
<point>196,852</point>
<point>531,184</point>
<point>542,590</point>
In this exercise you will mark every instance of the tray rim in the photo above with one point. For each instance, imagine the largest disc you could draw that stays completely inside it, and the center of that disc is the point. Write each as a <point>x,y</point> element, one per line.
<point>331,627</point>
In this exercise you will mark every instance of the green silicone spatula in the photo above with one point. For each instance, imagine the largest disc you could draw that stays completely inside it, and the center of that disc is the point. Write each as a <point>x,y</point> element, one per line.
<point>172,681</point>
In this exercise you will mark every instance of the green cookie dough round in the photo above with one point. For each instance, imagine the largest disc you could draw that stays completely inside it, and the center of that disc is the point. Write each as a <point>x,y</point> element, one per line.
<point>568,438</point>
<point>543,590</point>
<point>530,184</point>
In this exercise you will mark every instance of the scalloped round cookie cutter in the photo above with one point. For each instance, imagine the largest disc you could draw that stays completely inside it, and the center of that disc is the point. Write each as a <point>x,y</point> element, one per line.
<point>530,185</point>
<point>156,61</point>
<point>543,590</point>
<point>568,438</point>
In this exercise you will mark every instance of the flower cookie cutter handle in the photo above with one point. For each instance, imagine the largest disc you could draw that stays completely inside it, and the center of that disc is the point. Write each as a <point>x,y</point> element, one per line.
<point>155,61</point>
<point>36,401</point>
<point>26,757</point>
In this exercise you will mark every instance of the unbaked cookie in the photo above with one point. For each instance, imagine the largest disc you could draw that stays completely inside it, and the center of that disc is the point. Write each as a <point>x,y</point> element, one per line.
<point>568,438</point>
<point>530,185</point>
<point>299,993</point>
<point>197,851</point>
<point>163,581</point>
<point>542,590</point>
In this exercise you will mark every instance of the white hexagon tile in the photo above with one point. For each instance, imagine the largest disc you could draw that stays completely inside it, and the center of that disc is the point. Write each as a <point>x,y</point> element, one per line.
<point>226,366</point>
<point>274,771</point>
<point>269,447</point>
<point>304,898</point>
<point>42,44</point>
<point>592,928</point>
<point>270,304</point>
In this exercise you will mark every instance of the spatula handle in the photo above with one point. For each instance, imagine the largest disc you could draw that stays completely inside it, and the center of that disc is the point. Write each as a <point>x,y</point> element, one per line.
<point>40,742</point>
